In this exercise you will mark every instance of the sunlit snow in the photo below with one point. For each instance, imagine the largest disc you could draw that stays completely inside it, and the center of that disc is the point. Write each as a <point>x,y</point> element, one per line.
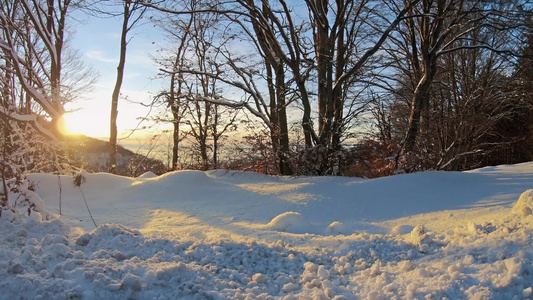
<point>239,235</point>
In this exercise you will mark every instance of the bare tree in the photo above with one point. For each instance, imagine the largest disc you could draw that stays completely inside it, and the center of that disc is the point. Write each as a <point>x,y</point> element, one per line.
<point>32,42</point>
<point>175,61</point>
<point>438,27</point>
<point>132,13</point>
<point>37,77</point>
<point>323,52</point>
<point>187,66</point>
<point>447,94</point>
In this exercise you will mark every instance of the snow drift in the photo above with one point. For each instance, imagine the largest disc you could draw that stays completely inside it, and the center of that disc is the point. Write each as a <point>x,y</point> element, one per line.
<point>225,234</point>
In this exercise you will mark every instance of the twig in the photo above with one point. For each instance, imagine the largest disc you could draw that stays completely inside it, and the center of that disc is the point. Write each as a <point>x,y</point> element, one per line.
<point>60,191</point>
<point>84,199</point>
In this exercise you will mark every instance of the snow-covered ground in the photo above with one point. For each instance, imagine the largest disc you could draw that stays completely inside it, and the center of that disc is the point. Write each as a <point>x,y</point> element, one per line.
<point>238,235</point>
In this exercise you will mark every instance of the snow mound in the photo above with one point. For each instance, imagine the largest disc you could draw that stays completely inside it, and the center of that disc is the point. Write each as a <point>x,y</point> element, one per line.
<point>95,181</point>
<point>420,237</point>
<point>22,200</point>
<point>239,176</point>
<point>402,229</point>
<point>185,178</point>
<point>147,175</point>
<point>524,205</point>
<point>289,221</point>
<point>336,228</point>
<point>110,236</point>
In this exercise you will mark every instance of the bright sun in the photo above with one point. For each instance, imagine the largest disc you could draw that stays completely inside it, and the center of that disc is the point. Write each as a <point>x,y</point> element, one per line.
<point>89,124</point>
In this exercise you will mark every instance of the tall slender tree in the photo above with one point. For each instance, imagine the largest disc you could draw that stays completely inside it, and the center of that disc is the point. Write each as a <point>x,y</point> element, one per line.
<point>132,13</point>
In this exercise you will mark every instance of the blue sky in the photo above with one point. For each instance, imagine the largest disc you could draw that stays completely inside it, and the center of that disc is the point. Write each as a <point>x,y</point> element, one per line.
<point>97,39</point>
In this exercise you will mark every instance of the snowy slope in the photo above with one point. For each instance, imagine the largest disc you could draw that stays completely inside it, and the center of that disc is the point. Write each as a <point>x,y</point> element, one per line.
<point>238,235</point>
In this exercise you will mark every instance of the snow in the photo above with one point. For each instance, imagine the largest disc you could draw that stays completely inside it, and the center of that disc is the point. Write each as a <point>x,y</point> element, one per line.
<point>524,204</point>
<point>241,235</point>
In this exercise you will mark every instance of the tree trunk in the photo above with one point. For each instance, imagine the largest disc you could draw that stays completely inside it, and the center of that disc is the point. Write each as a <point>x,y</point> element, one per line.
<point>419,103</point>
<point>6,150</point>
<point>273,105</point>
<point>203,130</point>
<point>337,93</point>
<point>283,135</point>
<point>215,136</point>
<point>175,143</point>
<point>307,124</point>
<point>116,91</point>
<point>176,119</point>
<point>324,72</point>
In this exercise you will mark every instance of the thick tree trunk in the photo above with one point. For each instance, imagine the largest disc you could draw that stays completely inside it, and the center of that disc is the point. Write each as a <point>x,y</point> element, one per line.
<point>307,124</point>
<point>285,165</point>
<point>418,104</point>
<point>205,159</point>
<point>324,56</point>
<point>277,92</point>
<point>324,73</point>
<point>274,121</point>
<point>337,92</point>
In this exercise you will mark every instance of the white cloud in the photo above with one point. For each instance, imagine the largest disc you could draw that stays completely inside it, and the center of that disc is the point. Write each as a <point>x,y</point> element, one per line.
<point>100,56</point>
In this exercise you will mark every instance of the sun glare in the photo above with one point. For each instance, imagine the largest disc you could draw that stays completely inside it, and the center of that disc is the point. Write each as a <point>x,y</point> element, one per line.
<point>62,126</point>
<point>84,123</point>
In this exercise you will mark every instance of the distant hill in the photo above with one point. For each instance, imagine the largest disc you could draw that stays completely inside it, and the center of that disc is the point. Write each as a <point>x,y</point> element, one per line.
<point>94,154</point>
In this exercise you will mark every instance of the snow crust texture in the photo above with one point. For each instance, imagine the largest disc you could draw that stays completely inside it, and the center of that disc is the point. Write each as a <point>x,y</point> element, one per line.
<point>480,252</point>
<point>44,260</point>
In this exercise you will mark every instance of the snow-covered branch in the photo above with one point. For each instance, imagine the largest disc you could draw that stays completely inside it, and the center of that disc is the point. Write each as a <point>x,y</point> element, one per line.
<point>32,119</point>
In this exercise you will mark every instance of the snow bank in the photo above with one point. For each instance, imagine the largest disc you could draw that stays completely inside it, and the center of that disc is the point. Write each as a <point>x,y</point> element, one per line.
<point>476,248</point>
<point>47,259</point>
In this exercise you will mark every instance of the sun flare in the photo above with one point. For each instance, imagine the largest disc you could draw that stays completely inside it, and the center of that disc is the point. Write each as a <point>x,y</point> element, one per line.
<point>62,126</point>
<point>89,124</point>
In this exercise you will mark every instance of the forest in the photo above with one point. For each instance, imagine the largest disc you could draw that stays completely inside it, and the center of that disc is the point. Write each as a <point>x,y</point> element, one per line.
<point>359,88</point>
<point>284,121</point>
